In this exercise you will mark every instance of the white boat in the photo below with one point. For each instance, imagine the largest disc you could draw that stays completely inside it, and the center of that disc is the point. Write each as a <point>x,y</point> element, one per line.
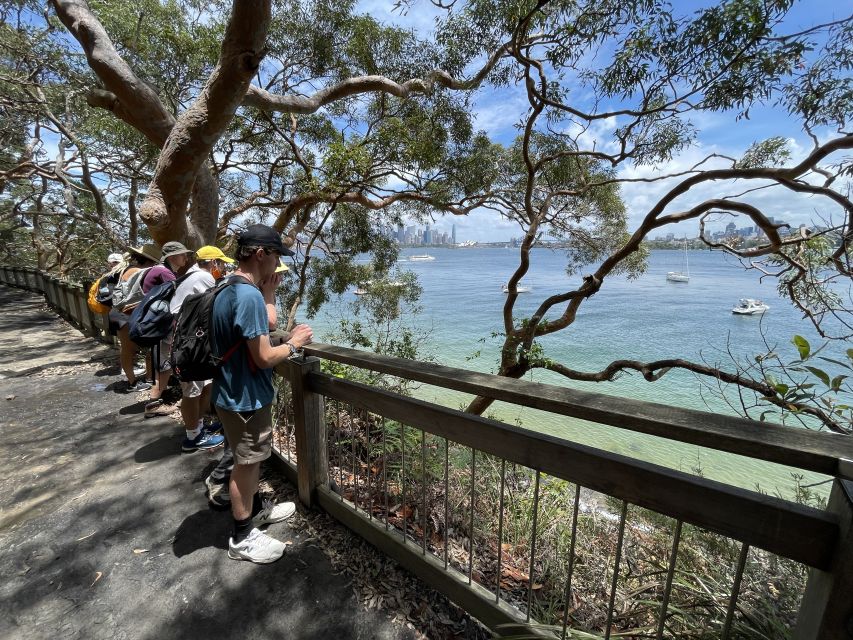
<point>363,288</point>
<point>684,274</point>
<point>750,307</point>
<point>518,289</point>
<point>422,258</point>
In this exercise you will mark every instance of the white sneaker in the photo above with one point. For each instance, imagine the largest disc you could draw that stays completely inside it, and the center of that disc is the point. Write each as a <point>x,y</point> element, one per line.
<point>272,513</point>
<point>139,372</point>
<point>258,547</point>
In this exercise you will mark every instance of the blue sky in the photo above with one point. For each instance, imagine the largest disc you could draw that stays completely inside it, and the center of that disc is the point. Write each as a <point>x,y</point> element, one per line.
<point>497,111</point>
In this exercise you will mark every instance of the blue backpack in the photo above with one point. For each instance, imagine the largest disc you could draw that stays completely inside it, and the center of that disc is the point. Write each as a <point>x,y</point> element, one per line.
<point>151,320</point>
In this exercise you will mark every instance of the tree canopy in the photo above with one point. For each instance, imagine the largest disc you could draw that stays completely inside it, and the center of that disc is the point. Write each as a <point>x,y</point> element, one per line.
<point>184,120</point>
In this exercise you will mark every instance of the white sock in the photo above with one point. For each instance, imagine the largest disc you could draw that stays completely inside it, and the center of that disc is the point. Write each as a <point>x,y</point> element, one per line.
<point>192,435</point>
<point>200,424</point>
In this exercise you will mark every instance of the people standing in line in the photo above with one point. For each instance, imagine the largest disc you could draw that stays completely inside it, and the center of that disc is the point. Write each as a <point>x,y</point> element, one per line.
<point>140,258</point>
<point>217,483</point>
<point>243,392</point>
<point>195,400</point>
<point>176,260</point>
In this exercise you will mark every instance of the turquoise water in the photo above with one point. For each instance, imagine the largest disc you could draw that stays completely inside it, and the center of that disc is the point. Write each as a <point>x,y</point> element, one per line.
<point>644,319</point>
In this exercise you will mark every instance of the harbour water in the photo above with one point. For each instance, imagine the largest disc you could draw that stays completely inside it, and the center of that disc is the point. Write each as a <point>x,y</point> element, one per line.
<point>645,319</point>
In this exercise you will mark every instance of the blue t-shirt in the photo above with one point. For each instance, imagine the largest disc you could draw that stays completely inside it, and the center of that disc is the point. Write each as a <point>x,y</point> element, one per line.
<point>239,313</point>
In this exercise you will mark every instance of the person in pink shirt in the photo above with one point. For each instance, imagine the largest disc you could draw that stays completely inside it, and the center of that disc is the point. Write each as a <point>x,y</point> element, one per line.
<point>176,261</point>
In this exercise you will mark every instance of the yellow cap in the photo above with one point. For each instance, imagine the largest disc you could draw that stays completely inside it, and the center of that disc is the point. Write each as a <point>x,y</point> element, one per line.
<point>209,252</point>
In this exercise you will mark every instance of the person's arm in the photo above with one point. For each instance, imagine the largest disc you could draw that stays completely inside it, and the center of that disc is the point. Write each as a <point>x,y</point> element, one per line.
<point>266,356</point>
<point>268,287</point>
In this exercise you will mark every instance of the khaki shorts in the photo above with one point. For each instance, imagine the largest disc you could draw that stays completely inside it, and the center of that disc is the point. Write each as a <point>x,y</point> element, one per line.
<point>249,433</point>
<point>193,388</point>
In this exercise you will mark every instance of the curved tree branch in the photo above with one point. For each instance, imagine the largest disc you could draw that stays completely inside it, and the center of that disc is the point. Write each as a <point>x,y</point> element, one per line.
<point>653,371</point>
<point>266,101</point>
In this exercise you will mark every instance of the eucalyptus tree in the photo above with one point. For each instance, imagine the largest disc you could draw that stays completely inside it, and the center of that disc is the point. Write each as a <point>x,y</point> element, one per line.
<point>51,204</point>
<point>332,125</point>
<point>612,86</point>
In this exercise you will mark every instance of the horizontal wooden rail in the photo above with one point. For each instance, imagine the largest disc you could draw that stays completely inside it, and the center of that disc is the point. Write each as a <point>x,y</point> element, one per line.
<point>826,453</point>
<point>790,530</point>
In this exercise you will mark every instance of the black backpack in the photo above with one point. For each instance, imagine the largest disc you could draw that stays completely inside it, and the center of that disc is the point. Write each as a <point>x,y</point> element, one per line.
<point>192,356</point>
<point>151,321</point>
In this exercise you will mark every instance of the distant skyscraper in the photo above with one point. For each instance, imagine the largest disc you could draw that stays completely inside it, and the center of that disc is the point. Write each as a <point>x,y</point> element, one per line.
<point>401,234</point>
<point>453,232</point>
<point>427,235</point>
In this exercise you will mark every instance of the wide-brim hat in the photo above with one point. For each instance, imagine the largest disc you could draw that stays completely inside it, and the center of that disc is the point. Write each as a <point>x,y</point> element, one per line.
<point>149,251</point>
<point>261,235</point>
<point>174,248</point>
<point>114,257</point>
<point>209,252</point>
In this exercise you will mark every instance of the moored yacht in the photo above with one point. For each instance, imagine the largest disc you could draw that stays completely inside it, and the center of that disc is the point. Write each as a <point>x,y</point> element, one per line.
<point>750,307</point>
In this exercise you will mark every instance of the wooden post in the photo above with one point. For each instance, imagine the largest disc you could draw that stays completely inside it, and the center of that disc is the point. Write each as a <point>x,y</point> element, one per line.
<point>81,309</point>
<point>64,300</point>
<point>53,292</point>
<point>312,463</point>
<point>40,283</point>
<point>826,611</point>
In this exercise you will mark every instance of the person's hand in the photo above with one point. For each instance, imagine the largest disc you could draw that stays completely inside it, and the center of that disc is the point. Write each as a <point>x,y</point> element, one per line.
<point>301,335</point>
<point>268,286</point>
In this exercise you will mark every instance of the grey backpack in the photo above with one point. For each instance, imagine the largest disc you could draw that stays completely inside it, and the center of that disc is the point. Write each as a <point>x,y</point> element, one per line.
<point>128,293</point>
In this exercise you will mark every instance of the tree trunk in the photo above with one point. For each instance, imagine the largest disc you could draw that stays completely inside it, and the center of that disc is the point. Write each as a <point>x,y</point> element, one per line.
<point>513,370</point>
<point>191,140</point>
<point>136,103</point>
<point>133,216</point>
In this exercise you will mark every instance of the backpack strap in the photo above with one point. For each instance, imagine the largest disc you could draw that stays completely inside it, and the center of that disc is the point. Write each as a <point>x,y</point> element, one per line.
<point>230,281</point>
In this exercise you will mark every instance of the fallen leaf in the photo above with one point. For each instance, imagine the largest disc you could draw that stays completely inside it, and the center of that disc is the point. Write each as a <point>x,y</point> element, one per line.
<point>11,397</point>
<point>140,550</point>
<point>98,575</point>
<point>89,536</point>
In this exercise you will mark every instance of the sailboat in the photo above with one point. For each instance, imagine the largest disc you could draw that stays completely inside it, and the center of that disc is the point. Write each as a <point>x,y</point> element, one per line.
<point>684,274</point>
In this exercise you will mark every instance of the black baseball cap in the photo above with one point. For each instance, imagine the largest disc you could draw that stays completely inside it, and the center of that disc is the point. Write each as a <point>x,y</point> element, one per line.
<point>261,235</point>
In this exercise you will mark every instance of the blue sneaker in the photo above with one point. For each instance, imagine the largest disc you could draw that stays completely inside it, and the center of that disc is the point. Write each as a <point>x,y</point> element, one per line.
<point>214,426</point>
<point>202,442</point>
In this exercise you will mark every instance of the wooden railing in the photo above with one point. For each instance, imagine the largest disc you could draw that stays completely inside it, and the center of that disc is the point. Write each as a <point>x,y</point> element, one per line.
<point>821,540</point>
<point>67,298</point>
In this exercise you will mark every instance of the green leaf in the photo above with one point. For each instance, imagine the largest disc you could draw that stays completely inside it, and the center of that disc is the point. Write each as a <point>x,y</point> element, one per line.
<point>836,382</point>
<point>781,388</point>
<point>820,373</point>
<point>803,346</point>
<point>850,353</point>
<point>838,362</point>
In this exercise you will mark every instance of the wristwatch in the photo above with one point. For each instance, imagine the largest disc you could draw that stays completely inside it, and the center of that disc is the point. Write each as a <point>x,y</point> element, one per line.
<point>293,349</point>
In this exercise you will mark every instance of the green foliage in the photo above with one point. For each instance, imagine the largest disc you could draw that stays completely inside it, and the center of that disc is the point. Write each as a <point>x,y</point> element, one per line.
<point>771,152</point>
<point>816,289</point>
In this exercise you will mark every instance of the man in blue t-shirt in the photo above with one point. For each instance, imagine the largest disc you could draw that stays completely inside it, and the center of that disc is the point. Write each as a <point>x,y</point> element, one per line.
<point>243,392</point>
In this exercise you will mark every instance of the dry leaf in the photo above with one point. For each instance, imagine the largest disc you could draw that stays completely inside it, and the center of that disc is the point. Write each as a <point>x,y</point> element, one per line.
<point>11,397</point>
<point>89,536</point>
<point>140,550</point>
<point>98,575</point>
